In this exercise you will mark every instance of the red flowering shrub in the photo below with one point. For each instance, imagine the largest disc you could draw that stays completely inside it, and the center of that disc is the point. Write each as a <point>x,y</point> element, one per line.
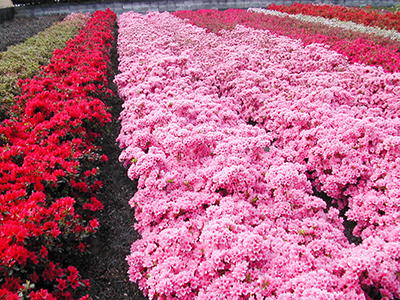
<point>49,168</point>
<point>388,20</point>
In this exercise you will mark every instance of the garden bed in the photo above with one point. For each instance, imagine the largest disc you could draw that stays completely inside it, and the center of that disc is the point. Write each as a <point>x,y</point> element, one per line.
<point>104,265</point>
<point>259,166</point>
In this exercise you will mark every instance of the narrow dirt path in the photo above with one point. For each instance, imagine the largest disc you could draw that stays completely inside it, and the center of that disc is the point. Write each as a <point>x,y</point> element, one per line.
<point>106,266</point>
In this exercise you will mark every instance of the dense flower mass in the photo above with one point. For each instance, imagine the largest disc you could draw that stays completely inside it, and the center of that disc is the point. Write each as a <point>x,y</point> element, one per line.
<point>358,47</point>
<point>49,165</point>
<point>347,25</point>
<point>368,17</point>
<point>250,149</point>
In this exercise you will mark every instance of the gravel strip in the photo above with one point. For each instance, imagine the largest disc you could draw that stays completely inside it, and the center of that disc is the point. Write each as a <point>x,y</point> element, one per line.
<point>20,29</point>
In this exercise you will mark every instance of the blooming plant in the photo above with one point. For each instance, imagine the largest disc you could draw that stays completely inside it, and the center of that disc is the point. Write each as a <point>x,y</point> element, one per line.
<point>368,17</point>
<point>346,25</point>
<point>49,167</point>
<point>358,47</point>
<point>235,139</point>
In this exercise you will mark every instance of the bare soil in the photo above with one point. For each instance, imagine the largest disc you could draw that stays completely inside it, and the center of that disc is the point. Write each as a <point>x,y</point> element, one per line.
<point>106,266</point>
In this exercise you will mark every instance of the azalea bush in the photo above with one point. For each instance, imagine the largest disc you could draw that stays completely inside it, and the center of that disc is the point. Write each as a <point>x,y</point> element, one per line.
<point>368,17</point>
<point>349,26</point>
<point>25,60</point>
<point>358,47</point>
<point>49,167</point>
<point>250,150</point>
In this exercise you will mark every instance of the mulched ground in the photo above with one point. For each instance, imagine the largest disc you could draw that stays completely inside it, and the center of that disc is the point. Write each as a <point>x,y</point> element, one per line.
<point>106,266</point>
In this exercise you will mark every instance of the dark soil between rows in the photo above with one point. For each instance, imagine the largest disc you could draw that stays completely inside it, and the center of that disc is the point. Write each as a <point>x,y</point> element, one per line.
<point>106,266</point>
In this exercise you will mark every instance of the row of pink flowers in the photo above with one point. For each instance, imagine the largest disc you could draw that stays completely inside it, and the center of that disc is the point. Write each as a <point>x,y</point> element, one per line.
<point>232,139</point>
<point>49,168</point>
<point>358,47</point>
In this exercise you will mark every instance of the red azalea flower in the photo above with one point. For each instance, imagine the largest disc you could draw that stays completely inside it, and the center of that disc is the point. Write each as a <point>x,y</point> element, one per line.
<point>44,252</point>
<point>34,277</point>
<point>94,223</point>
<point>62,284</point>
<point>41,295</point>
<point>81,247</point>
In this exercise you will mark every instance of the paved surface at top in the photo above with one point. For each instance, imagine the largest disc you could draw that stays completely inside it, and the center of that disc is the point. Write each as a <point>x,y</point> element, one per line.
<point>5,3</point>
<point>174,5</point>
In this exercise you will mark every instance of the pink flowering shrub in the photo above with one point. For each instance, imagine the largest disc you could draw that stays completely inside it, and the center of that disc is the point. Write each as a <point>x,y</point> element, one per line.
<point>358,47</point>
<point>232,139</point>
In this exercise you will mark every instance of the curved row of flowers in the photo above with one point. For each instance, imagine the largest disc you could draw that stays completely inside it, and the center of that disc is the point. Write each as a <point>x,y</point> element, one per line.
<point>233,137</point>
<point>358,47</point>
<point>49,165</point>
<point>25,60</point>
<point>368,17</point>
<point>346,25</point>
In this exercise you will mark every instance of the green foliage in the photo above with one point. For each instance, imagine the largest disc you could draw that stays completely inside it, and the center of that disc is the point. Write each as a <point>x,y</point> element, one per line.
<point>394,8</point>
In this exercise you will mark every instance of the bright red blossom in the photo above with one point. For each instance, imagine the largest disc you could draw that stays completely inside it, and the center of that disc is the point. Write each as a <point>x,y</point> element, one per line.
<point>48,164</point>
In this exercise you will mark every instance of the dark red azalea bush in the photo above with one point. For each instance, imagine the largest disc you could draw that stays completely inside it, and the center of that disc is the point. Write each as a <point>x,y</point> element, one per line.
<point>367,16</point>
<point>359,48</point>
<point>49,168</point>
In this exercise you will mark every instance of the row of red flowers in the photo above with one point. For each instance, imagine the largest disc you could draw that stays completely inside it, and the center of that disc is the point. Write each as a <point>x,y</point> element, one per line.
<point>358,47</point>
<point>49,167</point>
<point>368,17</point>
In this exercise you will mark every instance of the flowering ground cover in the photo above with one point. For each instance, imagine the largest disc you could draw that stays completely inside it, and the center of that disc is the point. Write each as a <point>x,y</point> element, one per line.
<point>358,47</point>
<point>255,158</point>
<point>49,167</point>
<point>252,151</point>
<point>387,20</point>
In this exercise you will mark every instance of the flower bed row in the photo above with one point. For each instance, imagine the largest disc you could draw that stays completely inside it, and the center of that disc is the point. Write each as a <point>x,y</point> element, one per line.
<point>25,60</point>
<point>346,25</point>
<point>49,165</point>
<point>388,20</point>
<point>359,48</point>
<point>233,138</point>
